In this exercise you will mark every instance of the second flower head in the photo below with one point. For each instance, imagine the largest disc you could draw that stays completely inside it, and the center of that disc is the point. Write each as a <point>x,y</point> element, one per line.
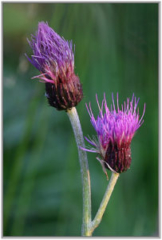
<point>115,128</point>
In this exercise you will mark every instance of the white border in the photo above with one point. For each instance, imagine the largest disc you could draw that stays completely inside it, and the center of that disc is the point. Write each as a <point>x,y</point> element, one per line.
<point>1,108</point>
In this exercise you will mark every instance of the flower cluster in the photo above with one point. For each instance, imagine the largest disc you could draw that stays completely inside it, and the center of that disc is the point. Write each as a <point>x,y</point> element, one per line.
<point>53,57</point>
<point>115,129</point>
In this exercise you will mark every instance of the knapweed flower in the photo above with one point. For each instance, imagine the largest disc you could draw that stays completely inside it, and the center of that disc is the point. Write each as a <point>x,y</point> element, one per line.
<point>53,56</point>
<point>115,129</point>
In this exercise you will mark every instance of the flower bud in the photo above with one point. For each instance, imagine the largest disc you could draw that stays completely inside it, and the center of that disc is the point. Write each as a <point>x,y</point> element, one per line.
<point>54,58</point>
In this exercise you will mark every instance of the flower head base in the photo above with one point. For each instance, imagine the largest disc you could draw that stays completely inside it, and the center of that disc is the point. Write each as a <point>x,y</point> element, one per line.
<point>53,57</point>
<point>115,129</point>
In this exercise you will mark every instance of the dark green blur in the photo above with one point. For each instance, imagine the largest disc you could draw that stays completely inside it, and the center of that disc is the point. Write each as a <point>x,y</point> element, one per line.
<point>116,50</point>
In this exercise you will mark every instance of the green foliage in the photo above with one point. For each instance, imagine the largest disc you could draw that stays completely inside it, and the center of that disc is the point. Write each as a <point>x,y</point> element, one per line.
<point>116,50</point>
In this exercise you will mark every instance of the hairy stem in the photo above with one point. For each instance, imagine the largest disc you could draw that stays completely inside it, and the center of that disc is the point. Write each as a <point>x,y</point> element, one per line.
<point>104,202</point>
<point>74,119</point>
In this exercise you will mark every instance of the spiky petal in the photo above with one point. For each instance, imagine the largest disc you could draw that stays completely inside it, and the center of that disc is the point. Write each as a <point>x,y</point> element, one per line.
<point>115,129</point>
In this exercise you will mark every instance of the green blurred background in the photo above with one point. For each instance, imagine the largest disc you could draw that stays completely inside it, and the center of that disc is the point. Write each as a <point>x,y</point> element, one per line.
<point>116,50</point>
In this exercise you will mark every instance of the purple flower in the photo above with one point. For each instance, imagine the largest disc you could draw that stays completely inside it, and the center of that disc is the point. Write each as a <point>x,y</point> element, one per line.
<point>115,129</point>
<point>53,56</point>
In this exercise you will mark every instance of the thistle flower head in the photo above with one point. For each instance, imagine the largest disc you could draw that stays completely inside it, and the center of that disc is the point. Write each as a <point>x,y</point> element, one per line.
<point>53,56</point>
<point>115,128</point>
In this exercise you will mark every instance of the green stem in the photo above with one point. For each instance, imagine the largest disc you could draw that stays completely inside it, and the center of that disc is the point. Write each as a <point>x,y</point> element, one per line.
<point>104,202</point>
<point>74,119</point>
